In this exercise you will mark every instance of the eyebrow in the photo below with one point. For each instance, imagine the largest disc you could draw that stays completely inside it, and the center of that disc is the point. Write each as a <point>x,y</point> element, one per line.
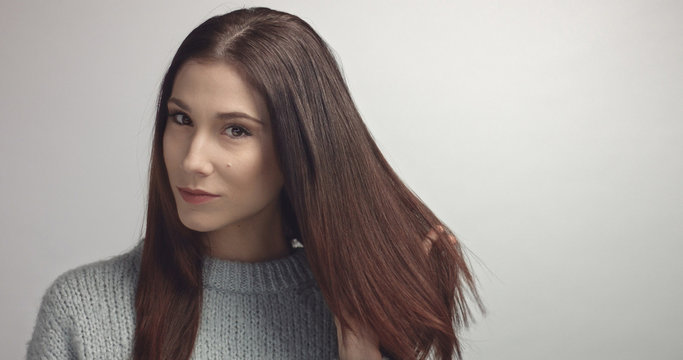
<point>223,116</point>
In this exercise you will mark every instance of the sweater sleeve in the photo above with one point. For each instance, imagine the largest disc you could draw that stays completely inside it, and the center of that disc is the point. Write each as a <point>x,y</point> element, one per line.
<point>52,337</point>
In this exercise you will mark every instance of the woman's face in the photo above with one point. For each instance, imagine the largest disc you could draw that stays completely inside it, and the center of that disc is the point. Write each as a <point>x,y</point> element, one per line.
<point>219,140</point>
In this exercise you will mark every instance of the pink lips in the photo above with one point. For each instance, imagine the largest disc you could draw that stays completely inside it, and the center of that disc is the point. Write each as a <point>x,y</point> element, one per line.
<point>196,196</point>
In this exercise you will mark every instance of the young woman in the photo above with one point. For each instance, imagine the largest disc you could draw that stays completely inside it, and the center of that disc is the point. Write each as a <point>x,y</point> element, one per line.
<point>258,146</point>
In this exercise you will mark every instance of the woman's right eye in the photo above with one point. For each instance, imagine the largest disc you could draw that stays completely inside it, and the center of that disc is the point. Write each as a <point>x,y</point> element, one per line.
<point>180,118</point>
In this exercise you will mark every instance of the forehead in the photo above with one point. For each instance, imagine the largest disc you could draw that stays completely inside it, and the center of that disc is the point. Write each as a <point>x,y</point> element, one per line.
<point>214,86</point>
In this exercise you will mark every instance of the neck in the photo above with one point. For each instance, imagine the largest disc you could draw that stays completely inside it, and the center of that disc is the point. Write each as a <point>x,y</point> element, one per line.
<point>255,240</point>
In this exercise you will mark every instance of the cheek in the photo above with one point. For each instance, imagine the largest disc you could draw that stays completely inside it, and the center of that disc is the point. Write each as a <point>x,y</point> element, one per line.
<point>272,176</point>
<point>167,161</point>
<point>273,166</point>
<point>274,172</point>
<point>257,171</point>
<point>170,151</point>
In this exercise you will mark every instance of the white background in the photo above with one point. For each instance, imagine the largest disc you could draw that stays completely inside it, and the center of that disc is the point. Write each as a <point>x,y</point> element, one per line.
<point>547,134</point>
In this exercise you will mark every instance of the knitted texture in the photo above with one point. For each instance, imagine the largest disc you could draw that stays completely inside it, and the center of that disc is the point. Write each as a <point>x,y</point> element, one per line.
<point>266,310</point>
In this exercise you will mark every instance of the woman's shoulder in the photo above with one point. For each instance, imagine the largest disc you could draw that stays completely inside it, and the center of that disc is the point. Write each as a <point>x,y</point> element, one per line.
<point>114,274</point>
<point>92,301</point>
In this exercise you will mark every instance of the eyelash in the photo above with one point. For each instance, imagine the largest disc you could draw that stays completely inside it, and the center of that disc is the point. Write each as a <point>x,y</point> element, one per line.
<point>173,116</point>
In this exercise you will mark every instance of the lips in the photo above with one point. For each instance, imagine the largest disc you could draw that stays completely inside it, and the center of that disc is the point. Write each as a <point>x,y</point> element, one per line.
<point>196,196</point>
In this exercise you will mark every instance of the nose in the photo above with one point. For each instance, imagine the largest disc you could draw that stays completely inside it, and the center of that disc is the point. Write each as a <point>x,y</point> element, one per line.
<point>197,159</point>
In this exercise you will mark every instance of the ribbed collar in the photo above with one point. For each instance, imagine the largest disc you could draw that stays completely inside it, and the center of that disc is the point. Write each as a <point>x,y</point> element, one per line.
<point>261,277</point>
<point>288,272</point>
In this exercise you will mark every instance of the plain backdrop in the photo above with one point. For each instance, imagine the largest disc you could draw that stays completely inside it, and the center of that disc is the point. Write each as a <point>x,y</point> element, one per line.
<point>547,134</point>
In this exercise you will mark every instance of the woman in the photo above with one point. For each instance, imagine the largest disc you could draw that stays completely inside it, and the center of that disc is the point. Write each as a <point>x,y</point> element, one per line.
<point>258,143</point>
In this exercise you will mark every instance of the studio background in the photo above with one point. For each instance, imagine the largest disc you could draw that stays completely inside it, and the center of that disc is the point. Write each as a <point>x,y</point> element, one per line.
<point>547,134</point>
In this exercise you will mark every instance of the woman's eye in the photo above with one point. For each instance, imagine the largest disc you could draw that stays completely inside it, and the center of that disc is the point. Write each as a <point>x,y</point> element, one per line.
<point>236,131</point>
<point>180,118</point>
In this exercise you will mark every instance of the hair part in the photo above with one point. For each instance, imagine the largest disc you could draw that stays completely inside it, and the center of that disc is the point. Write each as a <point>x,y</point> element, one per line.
<point>361,227</point>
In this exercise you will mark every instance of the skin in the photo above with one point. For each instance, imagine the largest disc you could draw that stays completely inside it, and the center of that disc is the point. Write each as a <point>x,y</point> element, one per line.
<point>234,158</point>
<point>230,156</point>
<point>357,343</point>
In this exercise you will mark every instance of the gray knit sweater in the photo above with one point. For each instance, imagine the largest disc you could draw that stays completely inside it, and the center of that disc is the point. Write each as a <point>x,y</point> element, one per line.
<point>267,310</point>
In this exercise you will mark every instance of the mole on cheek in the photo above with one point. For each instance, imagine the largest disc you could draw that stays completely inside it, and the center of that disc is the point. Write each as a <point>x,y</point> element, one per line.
<point>229,165</point>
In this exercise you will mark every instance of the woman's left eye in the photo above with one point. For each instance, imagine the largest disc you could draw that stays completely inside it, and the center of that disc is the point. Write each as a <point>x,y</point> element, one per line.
<point>235,131</point>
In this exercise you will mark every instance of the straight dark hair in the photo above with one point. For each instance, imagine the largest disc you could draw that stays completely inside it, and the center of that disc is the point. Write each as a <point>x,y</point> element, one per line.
<point>361,227</point>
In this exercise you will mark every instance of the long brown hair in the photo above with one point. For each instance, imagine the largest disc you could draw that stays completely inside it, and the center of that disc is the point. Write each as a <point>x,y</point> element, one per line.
<point>361,227</point>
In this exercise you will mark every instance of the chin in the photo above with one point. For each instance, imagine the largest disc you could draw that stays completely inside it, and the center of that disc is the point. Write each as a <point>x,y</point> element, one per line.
<point>197,224</point>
